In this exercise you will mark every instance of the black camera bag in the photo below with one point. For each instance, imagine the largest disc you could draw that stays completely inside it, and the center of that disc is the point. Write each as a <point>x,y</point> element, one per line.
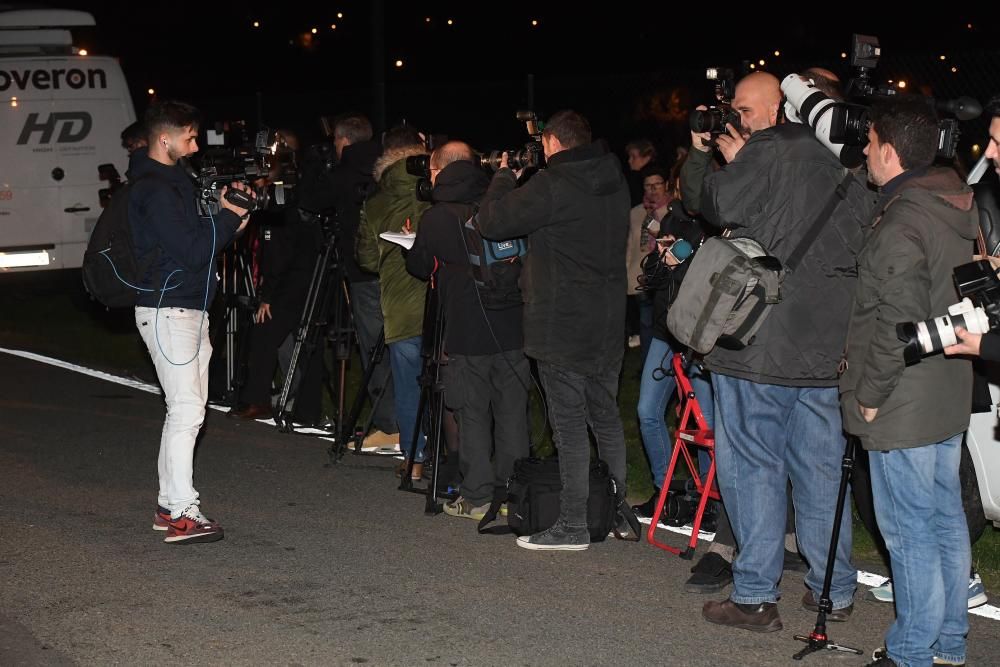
<point>532,497</point>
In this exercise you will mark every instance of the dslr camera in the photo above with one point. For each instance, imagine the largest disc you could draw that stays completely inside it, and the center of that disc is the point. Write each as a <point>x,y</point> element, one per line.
<point>532,156</point>
<point>715,118</point>
<point>978,312</point>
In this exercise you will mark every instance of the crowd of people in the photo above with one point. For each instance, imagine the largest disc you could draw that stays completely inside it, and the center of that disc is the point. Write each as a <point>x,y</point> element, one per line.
<point>825,366</point>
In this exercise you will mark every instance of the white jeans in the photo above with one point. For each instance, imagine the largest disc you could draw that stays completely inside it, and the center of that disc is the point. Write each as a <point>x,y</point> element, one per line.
<point>185,388</point>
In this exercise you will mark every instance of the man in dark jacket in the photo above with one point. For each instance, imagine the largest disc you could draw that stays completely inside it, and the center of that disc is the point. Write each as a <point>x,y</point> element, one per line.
<point>576,216</point>
<point>911,418</point>
<point>170,313</point>
<point>487,376</point>
<point>777,410</point>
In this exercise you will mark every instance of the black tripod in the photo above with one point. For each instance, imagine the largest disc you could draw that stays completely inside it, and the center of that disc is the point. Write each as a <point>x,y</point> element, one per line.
<point>239,298</point>
<point>325,316</point>
<point>431,399</point>
<point>348,430</point>
<point>818,640</point>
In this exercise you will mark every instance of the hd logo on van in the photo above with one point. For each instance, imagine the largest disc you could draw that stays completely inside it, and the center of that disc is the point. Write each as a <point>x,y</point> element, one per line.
<point>73,126</point>
<point>52,79</point>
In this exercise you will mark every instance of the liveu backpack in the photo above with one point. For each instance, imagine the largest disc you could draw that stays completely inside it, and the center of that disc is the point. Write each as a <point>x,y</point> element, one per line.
<point>111,271</point>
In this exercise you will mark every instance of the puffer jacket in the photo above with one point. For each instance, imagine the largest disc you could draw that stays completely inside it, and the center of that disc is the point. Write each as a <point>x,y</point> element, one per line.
<point>575,214</point>
<point>387,210</point>
<point>772,192</point>
<point>922,232</point>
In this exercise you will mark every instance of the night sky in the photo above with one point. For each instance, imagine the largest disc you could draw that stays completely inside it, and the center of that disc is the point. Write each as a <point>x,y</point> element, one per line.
<point>625,64</point>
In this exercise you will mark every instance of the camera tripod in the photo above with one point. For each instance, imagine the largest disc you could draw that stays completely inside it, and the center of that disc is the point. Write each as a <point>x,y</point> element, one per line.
<point>431,401</point>
<point>325,316</point>
<point>239,298</point>
<point>818,640</point>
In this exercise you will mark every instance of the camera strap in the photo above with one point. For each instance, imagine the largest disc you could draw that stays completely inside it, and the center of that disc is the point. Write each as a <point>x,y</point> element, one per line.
<point>839,195</point>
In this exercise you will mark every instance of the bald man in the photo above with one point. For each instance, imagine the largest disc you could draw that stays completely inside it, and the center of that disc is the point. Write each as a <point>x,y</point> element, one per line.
<point>777,414</point>
<point>487,376</point>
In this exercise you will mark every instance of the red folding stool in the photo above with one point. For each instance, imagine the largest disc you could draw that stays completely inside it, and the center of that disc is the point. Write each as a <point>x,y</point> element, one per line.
<point>691,430</point>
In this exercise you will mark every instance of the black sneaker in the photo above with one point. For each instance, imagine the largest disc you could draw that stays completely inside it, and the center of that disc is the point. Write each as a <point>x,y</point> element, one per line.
<point>795,563</point>
<point>559,537</point>
<point>645,510</point>
<point>880,658</point>
<point>710,574</point>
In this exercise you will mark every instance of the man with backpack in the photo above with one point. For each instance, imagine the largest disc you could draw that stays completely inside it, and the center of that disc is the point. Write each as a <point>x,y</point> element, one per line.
<point>777,406</point>
<point>175,291</point>
<point>575,214</point>
<point>486,377</point>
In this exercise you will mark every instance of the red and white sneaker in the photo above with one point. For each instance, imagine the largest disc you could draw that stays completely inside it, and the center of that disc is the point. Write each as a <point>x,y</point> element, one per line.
<point>161,518</point>
<point>192,527</point>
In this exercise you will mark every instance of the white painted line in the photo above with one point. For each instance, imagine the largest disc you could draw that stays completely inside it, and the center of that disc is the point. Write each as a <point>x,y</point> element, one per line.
<point>865,578</point>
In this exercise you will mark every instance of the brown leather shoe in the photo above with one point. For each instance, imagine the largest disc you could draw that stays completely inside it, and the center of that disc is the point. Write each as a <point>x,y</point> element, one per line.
<point>415,475</point>
<point>754,617</point>
<point>255,411</point>
<point>839,615</point>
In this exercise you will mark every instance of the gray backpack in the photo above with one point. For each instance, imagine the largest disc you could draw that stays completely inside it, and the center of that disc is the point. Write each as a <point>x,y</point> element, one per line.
<point>726,294</point>
<point>732,284</point>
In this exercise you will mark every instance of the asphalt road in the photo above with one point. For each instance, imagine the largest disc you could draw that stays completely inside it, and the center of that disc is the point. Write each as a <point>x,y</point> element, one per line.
<point>320,566</point>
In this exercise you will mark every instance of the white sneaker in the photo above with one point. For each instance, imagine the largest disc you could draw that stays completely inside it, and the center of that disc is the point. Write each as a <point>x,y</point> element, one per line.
<point>633,341</point>
<point>977,592</point>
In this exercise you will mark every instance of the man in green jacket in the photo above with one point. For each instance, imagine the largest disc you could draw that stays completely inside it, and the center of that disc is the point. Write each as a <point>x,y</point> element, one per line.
<point>911,418</point>
<point>395,208</point>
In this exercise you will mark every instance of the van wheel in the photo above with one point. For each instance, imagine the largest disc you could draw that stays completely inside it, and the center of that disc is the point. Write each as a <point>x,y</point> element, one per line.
<point>972,502</point>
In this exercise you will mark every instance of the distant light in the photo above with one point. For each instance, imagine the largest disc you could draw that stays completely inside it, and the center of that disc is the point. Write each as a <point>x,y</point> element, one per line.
<point>969,26</point>
<point>314,30</point>
<point>151,91</point>
<point>427,19</point>
<point>777,53</point>
<point>902,84</point>
<point>942,57</point>
<point>761,61</point>
<point>450,22</point>
<point>256,24</point>
<point>13,101</point>
<point>976,148</point>
<point>83,52</point>
<point>954,70</point>
<point>843,55</point>
<point>534,23</point>
<point>753,65</point>
<point>333,26</point>
<point>890,81</point>
<point>340,15</point>
<point>399,63</point>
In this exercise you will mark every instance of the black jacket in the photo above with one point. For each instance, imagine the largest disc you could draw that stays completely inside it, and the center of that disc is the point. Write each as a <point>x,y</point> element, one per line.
<point>680,225</point>
<point>575,214</point>
<point>772,192</point>
<point>289,248</point>
<point>440,241</point>
<point>163,213</point>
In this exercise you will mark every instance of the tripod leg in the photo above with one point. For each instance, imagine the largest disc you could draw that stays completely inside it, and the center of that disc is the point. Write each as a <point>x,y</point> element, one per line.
<point>348,428</point>
<point>432,505</point>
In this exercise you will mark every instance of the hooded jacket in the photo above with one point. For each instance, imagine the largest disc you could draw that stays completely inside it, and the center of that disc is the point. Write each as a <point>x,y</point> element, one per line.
<point>470,329</point>
<point>922,231</point>
<point>575,214</point>
<point>772,192</point>
<point>163,213</point>
<point>388,210</point>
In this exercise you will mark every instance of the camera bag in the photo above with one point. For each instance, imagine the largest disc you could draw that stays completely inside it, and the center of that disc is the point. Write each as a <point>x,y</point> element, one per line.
<point>532,497</point>
<point>732,284</point>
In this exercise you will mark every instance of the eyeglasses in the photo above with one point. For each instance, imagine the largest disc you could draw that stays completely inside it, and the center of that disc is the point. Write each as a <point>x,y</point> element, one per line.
<point>656,185</point>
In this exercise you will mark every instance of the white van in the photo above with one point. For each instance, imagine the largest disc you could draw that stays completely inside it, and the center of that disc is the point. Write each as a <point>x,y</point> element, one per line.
<point>61,115</point>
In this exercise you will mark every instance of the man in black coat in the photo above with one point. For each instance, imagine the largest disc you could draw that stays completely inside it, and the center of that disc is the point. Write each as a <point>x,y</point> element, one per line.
<point>487,376</point>
<point>575,214</point>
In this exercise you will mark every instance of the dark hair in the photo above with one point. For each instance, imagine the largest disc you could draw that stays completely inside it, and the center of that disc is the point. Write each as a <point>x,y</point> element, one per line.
<point>569,127</point>
<point>401,136</point>
<point>643,147</point>
<point>993,107</point>
<point>169,115</point>
<point>830,87</point>
<point>354,128</point>
<point>134,132</point>
<point>655,169</point>
<point>908,124</point>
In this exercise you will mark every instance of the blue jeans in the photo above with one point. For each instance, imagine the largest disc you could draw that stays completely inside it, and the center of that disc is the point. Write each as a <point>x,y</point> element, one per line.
<point>918,504</point>
<point>764,435</point>
<point>655,389</point>
<point>404,356</point>
<point>644,301</point>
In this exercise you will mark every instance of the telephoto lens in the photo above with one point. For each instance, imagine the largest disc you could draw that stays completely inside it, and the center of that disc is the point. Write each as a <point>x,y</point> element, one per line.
<point>935,334</point>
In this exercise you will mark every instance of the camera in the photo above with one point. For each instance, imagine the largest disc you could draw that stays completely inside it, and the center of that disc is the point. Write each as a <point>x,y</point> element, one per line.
<point>978,312</point>
<point>715,118</point>
<point>420,165</point>
<point>267,165</point>
<point>532,156</point>
<point>843,126</point>
<point>108,172</point>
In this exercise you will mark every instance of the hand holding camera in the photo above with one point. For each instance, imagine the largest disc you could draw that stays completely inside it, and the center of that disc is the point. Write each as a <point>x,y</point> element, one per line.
<point>238,198</point>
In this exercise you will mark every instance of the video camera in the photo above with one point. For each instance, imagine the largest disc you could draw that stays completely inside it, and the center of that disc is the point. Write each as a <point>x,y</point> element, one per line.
<point>267,165</point>
<point>978,312</point>
<point>532,156</point>
<point>715,118</point>
<point>843,126</point>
